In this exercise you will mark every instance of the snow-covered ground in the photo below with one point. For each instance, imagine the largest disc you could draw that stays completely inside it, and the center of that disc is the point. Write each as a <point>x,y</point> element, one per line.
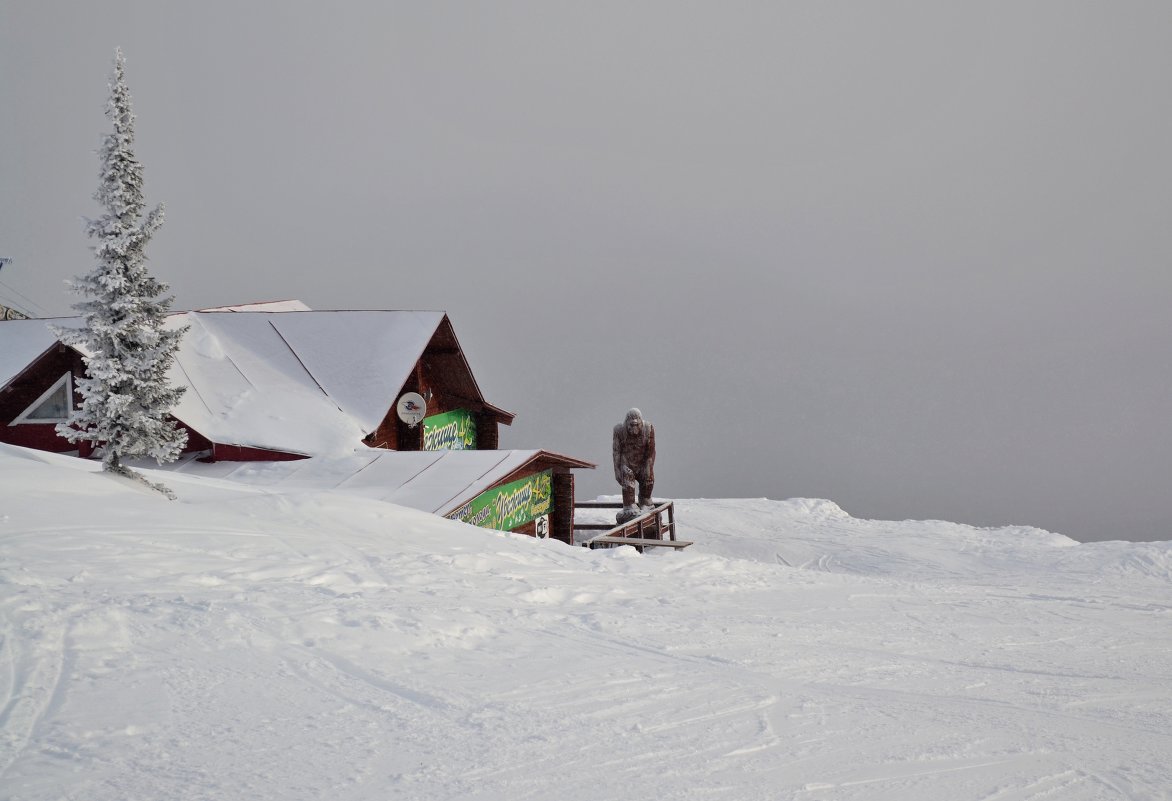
<point>244,644</point>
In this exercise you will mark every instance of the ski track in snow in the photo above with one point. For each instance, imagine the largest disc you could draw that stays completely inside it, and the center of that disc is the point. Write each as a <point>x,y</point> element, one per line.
<point>247,645</point>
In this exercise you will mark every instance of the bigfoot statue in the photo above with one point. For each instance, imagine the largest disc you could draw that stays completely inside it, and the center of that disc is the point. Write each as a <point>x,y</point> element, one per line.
<point>634,462</point>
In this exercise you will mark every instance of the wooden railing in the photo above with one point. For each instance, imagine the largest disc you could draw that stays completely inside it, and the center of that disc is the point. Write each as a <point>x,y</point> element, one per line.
<point>655,527</point>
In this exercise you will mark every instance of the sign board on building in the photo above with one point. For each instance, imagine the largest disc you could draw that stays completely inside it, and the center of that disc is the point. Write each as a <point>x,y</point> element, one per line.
<point>510,505</point>
<point>454,431</point>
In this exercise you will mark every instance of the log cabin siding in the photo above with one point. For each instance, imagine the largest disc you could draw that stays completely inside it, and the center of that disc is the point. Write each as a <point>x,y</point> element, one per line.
<point>561,517</point>
<point>23,391</point>
<point>243,453</point>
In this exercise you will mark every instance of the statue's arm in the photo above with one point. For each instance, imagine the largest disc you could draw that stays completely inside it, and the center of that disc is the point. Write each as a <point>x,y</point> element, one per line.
<point>617,449</point>
<point>650,452</point>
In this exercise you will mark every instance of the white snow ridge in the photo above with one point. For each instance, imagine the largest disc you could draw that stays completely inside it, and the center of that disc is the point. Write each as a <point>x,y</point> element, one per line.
<point>245,643</point>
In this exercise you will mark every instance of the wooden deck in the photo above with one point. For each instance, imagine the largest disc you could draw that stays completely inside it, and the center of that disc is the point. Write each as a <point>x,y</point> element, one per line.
<point>638,542</point>
<point>654,528</point>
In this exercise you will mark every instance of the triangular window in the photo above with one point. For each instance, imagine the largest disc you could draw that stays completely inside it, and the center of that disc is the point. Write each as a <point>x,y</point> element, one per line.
<point>53,406</point>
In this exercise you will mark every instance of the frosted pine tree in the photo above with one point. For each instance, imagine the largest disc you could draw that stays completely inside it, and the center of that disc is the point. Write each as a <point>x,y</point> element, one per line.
<point>125,396</point>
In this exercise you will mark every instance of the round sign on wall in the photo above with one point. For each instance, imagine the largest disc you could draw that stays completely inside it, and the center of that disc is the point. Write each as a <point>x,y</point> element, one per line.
<point>411,408</point>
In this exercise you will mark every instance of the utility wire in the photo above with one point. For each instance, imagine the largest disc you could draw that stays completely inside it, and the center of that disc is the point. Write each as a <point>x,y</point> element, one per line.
<point>32,303</point>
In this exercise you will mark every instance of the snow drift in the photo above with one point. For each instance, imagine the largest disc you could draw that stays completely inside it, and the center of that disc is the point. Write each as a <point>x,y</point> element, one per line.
<point>249,643</point>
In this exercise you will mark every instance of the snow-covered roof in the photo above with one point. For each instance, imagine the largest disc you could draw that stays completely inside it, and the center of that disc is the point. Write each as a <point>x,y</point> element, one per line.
<point>431,481</point>
<point>276,375</point>
<point>23,341</point>
<point>264,305</point>
<point>308,382</point>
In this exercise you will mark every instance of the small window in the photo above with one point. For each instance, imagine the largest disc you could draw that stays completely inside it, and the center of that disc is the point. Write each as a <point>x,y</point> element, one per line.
<point>53,406</point>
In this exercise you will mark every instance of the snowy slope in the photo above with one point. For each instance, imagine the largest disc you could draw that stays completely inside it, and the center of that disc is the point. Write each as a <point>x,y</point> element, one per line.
<point>241,643</point>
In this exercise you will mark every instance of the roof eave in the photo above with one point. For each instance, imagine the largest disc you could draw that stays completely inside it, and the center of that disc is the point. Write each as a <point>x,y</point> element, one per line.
<point>33,363</point>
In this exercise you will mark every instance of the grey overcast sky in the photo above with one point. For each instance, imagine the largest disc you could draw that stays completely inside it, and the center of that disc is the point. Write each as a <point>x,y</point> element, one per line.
<point>909,256</point>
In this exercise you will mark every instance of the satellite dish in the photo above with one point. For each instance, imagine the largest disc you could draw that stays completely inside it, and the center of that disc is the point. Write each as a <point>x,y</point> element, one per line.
<point>411,408</point>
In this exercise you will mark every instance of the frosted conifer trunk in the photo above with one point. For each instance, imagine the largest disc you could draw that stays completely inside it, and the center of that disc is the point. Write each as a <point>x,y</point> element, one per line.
<point>126,396</point>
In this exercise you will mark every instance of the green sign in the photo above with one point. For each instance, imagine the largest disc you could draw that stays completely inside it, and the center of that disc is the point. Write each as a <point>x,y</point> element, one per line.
<point>510,505</point>
<point>451,431</point>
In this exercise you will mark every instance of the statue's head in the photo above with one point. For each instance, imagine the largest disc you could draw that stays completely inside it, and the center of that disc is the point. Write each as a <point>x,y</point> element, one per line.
<point>634,422</point>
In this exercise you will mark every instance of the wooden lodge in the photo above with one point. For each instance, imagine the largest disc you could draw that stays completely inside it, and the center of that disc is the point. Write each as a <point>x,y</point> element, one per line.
<point>281,382</point>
